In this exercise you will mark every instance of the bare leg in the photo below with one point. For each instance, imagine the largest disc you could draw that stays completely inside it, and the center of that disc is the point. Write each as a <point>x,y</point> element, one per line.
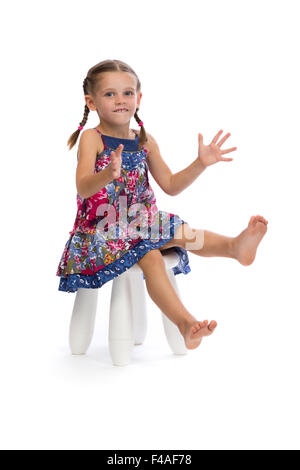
<point>164,295</point>
<point>216,245</point>
<point>204,243</point>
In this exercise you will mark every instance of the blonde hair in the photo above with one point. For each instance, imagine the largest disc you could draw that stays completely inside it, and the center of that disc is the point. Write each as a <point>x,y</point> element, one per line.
<point>90,85</point>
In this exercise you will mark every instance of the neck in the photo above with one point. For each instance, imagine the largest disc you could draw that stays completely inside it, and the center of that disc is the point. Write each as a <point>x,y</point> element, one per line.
<point>122,132</point>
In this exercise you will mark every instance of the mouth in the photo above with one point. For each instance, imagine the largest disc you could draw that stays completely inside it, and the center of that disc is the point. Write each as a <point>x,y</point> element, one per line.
<point>121,110</point>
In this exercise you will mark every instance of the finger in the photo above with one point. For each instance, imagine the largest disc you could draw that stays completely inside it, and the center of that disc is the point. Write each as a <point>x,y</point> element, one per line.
<point>214,141</point>
<point>226,159</point>
<point>228,150</point>
<point>223,140</point>
<point>115,153</point>
<point>115,157</point>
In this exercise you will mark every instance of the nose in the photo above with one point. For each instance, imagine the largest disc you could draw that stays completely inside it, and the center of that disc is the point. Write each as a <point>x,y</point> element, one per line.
<point>120,100</point>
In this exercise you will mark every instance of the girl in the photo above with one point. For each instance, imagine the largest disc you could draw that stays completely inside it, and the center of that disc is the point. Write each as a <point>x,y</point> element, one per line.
<point>112,183</point>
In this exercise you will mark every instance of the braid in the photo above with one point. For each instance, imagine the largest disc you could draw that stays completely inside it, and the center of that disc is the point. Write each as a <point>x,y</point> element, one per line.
<point>73,138</point>
<point>143,136</point>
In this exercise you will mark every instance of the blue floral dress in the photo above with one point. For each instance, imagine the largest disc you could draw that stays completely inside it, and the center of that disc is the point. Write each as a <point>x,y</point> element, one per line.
<point>118,225</point>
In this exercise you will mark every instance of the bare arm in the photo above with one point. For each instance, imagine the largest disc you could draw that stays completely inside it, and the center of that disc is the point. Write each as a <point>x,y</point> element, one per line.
<point>184,178</point>
<point>170,183</point>
<point>89,183</point>
<point>157,166</point>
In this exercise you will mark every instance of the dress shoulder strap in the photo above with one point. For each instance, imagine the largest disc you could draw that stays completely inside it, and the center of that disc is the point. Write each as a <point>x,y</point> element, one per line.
<point>98,130</point>
<point>102,137</point>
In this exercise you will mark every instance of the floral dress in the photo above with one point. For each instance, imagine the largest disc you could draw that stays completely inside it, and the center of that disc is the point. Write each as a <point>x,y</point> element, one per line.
<point>118,225</point>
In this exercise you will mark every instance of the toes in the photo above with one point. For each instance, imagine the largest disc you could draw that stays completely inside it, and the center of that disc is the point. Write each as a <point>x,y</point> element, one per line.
<point>203,324</point>
<point>196,327</point>
<point>212,325</point>
<point>257,218</point>
<point>260,218</point>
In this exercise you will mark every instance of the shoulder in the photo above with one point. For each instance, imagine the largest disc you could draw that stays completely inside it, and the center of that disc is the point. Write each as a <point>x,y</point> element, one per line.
<point>151,142</point>
<point>92,139</point>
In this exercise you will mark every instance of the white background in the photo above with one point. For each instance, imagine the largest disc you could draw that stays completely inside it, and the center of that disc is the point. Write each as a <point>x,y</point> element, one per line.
<point>204,66</point>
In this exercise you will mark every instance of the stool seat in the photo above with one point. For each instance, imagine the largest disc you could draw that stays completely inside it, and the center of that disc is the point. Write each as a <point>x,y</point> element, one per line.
<point>127,315</point>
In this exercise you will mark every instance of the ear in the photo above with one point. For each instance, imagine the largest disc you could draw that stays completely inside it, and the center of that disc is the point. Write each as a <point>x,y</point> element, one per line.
<point>139,99</point>
<point>90,103</point>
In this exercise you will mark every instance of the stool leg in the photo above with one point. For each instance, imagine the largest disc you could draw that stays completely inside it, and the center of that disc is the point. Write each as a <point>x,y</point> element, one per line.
<point>83,320</point>
<point>139,311</point>
<point>173,335</point>
<point>120,321</point>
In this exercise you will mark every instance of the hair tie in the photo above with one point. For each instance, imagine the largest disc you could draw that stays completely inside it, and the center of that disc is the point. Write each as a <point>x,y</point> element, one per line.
<point>141,123</point>
<point>80,127</point>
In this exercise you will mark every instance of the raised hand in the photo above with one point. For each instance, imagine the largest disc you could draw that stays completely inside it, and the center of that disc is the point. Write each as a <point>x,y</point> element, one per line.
<point>212,153</point>
<point>116,162</point>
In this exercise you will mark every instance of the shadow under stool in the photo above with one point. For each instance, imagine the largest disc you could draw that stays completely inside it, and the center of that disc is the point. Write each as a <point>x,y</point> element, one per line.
<point>127,315</point>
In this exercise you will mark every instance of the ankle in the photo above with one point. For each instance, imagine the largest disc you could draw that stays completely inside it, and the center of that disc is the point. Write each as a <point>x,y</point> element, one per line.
<point>185,320</point>
<point>232,247</point>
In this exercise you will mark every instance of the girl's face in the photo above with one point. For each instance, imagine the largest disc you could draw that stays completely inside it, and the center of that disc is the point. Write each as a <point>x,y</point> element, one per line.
<point>115,90</point>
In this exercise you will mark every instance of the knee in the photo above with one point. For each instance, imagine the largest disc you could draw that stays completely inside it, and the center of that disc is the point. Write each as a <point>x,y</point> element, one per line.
<point>152,259</point>
<point>191,238</point>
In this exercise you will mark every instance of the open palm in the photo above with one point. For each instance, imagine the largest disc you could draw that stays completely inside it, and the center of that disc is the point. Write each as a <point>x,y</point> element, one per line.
<point>212,153</point>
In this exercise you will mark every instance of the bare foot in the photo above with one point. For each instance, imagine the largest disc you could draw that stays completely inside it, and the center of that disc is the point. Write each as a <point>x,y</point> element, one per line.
<point>247,242</point>
<point>193,331</point>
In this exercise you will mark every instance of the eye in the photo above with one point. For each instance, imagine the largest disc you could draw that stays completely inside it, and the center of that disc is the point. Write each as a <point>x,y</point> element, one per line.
<point>109,92</point>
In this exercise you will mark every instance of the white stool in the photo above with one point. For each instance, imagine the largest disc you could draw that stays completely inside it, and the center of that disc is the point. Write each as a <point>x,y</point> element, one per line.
<point>127,316</point>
